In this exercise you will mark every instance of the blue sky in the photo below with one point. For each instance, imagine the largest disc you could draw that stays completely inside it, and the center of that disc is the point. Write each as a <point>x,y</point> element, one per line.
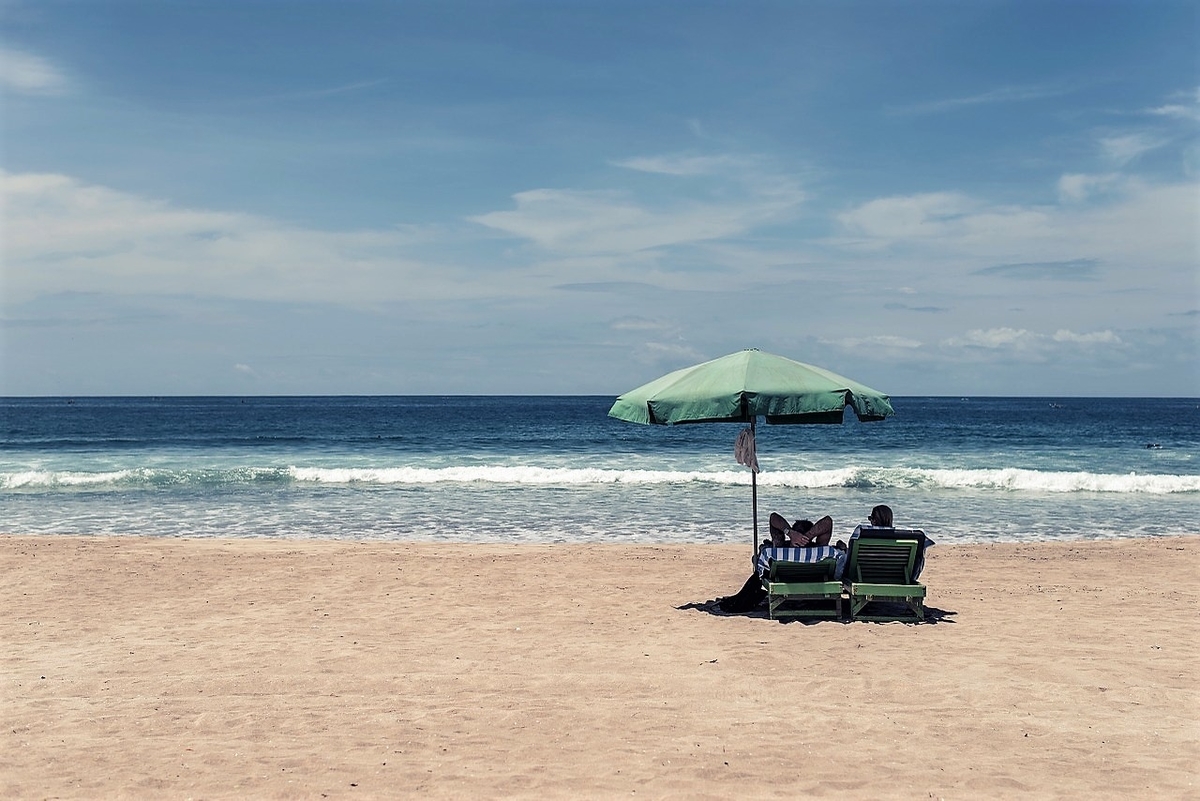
<point>958,198</point>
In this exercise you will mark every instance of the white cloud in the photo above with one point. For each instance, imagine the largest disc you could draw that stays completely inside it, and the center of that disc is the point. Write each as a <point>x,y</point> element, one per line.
<point>1073,270</point>
<point>940,217</point>
<point>1121,149</point>
<point>992,339</point>
<point>909,217</point>
<point>1093,338</point>
<point>1022,343</point>
<point>25,73</point>
<point>1188,109</point>
<point>1177,110</point>
<point>1133,224</point>
<point>647,269</point>
<point>997,345</point>
<point>678,165</point>
<point>331,91</point>
<point>1079,187</point>
<point>64,235</point>
<point>569,220</point>
<point>874,342</point>
<point>667,353</point>
<point>726,196</point>
<point>1003,94</point>
<point>639,324</point>
<point>572,221</point>
<point>1144,227</point>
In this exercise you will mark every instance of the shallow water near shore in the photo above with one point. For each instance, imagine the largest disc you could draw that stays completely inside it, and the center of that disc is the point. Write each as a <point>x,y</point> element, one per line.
<point>553,469</point>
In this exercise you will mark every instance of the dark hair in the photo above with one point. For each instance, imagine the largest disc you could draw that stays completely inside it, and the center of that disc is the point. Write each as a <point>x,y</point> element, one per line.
<point>881,516</point>
<point>803,526</point>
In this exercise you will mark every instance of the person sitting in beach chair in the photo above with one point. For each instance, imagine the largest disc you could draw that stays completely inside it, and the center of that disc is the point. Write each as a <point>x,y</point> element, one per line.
<point>879,524</point>
<point>881,569</point>
<point>802,533</point>
<point>880,517</point>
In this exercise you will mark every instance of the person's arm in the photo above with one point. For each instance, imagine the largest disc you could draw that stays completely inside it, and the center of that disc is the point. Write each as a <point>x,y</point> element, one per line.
<point>819,534</point>
<point>795,538</point>
<point>822,531</point>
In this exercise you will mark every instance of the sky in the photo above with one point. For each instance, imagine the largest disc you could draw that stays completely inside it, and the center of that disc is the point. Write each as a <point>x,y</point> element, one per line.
<point>574,197</point>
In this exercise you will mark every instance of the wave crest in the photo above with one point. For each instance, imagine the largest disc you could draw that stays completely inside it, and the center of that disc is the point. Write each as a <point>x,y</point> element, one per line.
<point>874,478</point>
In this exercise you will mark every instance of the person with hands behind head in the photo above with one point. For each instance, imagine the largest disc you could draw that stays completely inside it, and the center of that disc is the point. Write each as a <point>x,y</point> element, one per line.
<point>802,533</point>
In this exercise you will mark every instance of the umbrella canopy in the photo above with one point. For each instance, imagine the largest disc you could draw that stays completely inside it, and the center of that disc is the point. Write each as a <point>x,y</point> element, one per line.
<point>743,386</point>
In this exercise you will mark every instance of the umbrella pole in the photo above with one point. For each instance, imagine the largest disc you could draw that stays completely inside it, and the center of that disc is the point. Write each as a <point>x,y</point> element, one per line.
<point>754,491</point>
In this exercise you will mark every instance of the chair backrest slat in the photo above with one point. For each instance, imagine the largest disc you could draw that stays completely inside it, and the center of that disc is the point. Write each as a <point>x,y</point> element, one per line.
<point>881,561</point>
<point>784,571</point>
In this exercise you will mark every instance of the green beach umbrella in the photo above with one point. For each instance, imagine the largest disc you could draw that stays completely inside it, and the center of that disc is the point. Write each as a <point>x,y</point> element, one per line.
<point>743,386</point>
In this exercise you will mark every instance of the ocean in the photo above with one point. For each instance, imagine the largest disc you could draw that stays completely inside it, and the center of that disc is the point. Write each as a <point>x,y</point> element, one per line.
<point>558,469</point>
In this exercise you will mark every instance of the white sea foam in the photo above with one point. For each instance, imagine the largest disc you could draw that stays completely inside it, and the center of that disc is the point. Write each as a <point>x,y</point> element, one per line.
<point>49,479</point>
<point>545,476</point>
<point>1009,480</point>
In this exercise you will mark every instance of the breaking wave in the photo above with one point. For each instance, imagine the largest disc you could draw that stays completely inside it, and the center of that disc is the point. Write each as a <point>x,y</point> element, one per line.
<point>1016,480</point>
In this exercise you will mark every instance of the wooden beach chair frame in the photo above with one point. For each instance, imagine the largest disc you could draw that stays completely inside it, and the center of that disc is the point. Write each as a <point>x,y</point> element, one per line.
<point>880,569</point>
<point>803,589</point>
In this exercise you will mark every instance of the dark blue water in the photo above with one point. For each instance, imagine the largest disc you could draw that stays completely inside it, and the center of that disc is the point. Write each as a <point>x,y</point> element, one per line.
<point>556,468</point>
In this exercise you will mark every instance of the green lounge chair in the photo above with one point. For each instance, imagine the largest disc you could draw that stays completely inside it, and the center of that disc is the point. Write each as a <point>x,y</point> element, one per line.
<point>803,589</point>
<point>880,569</point>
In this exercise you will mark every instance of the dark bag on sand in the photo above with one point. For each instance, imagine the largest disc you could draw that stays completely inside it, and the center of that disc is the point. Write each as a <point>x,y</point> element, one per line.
<point>748,597</point>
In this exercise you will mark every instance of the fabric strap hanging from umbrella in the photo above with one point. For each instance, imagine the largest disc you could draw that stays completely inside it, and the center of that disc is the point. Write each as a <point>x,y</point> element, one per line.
<point>745,450</point>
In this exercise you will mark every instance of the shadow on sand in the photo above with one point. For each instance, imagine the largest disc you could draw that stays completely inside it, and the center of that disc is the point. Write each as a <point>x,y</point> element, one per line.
<point>933,615</point>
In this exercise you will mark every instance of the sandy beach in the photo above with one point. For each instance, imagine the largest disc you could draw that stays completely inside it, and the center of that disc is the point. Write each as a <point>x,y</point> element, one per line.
<point>191,668</point>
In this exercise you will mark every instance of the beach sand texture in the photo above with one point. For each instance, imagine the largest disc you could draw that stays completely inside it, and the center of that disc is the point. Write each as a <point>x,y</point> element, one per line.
<point>154,668</point>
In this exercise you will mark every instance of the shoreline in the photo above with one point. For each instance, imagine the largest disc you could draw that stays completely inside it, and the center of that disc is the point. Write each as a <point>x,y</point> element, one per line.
<point>141,667</point>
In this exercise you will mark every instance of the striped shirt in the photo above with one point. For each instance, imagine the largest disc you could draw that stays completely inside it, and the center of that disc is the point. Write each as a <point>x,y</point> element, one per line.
<point>762,562</point>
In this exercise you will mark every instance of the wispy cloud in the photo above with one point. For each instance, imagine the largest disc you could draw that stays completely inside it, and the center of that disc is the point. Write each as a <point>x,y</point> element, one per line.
<point>935,216</point>
<point>1073,270</point>
<point>741,197</point>
<point>922,309</point>
<point>667,353</point>
<point>1029,344</point>
<point>994,338</point>
<point>882,341</point>
<point>1079,187</point>
<point>565,220</point>
<point>611,287</point>
<point>1188,107</point>
<point>1003,94</point>
<point>330,91</point>
<point>679,165</point>
<point>1092,338</point>
<point>632,323</point>
<point>63,234</point>
<point>1137,223</point>
<point>1121,149</point>
<point>26,73</point>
